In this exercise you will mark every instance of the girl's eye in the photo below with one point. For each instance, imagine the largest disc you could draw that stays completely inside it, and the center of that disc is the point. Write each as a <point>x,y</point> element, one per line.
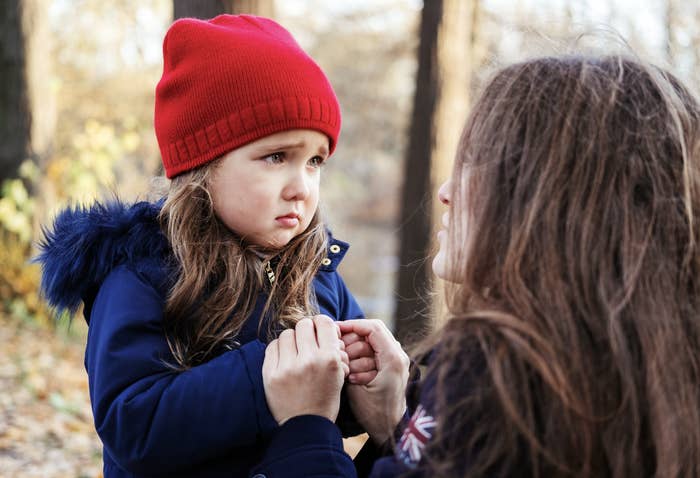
<point>317,161</point>
<point>274,158</point>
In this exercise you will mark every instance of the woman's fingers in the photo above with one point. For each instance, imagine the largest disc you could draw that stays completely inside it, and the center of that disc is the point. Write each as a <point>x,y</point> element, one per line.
<point>271,357</point>
<point>347,327</point>
<point>350,337</point>
<point>287,345</point>
<point>345,363</point>
<point>362,327</point>
<point>306,337</point>
<point>327,333</point>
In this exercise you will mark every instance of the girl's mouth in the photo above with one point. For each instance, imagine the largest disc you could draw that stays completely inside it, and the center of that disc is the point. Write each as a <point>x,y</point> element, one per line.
<point>288,220</point>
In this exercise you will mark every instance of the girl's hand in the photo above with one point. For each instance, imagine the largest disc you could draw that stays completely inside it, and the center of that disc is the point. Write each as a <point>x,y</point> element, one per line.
<point>379,404</point>
<point>304,369</point>
<point>362,365</point>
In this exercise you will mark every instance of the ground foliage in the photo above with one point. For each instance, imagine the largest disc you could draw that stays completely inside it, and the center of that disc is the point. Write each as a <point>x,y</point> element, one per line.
<point>46,427</point>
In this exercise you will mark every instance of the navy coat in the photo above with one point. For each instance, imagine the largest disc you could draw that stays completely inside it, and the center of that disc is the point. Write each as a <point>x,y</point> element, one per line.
<point>312,446</point>
<point>211,420</point>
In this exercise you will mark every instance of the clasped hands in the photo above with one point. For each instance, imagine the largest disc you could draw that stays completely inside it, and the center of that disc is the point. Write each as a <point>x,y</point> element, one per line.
<point>305,369</point>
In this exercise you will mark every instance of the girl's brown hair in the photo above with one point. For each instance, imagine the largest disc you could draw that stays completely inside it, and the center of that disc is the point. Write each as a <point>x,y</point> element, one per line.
<point>573,346</point>
<point>220,277</point>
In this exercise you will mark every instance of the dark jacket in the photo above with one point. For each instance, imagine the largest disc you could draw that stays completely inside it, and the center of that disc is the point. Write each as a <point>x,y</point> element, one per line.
<point>312,446</point>
<point>211,420</point>
<point>309,446</point>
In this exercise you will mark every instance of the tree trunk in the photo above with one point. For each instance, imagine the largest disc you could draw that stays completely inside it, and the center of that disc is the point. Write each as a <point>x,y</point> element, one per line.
<point>15,121</point>
<point>263,8</point>
<point>669,24</point>
<point>27,110</point>
<point>199,8</point>
<point>211,8</point>
<point>416,203</point>
<point>439,110</point>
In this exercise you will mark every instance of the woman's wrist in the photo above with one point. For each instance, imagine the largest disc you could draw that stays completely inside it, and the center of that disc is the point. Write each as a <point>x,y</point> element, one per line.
<point>381,436</point>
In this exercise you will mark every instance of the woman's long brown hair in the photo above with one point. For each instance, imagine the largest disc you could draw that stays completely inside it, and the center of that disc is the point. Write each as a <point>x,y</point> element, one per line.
<point>573,347</point>
<point>219,278</point>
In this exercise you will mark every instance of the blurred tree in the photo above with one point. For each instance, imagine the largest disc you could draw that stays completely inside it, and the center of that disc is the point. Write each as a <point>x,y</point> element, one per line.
<point>27,117</point>
<point>212,8</point>
<point>414,219</point>
<point>447,36</point>
<point>264,8</point>
<point>670,25</point>
<point>26,106</point>
<point>105,145</point>
<point>14,107</point>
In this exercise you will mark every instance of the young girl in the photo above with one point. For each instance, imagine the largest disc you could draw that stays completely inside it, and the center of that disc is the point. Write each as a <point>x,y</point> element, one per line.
<point>182,295</point>
<point>573,345</point>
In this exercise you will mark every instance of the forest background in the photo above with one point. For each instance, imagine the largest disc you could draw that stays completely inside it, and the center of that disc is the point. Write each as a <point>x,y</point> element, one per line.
<point>76,109</point>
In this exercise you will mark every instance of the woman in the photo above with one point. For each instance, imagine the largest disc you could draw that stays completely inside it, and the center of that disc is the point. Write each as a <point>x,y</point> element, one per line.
<point>573,342</point>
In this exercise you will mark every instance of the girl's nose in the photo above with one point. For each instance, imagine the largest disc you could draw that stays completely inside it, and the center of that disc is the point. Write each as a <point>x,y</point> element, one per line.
<point>444,192</point>
<point>298,187</point>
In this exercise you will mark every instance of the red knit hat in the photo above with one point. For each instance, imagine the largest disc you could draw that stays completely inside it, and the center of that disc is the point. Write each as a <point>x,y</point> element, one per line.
<point>232,80</point>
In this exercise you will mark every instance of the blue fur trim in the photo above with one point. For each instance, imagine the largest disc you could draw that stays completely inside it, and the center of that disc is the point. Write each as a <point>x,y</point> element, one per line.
<point>86,243</point>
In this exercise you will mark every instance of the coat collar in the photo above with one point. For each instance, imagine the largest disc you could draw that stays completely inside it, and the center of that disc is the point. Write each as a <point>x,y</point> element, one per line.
<point>87,242</point>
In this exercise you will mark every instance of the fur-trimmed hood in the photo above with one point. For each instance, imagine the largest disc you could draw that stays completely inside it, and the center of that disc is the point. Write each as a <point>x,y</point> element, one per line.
<point>86,243</point>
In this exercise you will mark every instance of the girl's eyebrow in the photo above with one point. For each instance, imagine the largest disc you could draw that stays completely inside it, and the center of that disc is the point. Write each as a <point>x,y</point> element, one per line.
<point>272,147</point>
<point>282,145</point>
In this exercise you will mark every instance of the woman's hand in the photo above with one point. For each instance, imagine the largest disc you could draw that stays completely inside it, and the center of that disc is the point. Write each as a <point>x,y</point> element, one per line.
<point>380,403</point>
<point>304,370</point>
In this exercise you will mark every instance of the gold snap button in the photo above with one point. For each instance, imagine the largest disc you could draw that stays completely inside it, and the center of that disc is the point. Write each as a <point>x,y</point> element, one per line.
<point>335,248</point>
<point>326,261</point>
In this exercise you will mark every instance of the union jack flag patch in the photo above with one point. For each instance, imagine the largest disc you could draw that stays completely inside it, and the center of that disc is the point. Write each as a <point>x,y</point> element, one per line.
<point>418,431</point>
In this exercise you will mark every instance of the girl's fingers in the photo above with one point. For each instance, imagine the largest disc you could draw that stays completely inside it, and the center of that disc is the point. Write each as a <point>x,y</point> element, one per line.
<point>374,331</point>
<point>362,378</point>
<point>364,364</point>
<point>359,349</point>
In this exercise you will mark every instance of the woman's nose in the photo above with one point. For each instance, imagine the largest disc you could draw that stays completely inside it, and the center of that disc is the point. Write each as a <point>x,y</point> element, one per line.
<point>444,192</point>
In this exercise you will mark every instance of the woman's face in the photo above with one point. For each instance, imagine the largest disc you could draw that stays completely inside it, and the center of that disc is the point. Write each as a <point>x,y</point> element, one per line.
<point>441,260</point>
<point>445,262</point>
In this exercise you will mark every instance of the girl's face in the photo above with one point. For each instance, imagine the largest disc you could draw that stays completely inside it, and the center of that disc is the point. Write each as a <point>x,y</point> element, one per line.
<point>267,191</point>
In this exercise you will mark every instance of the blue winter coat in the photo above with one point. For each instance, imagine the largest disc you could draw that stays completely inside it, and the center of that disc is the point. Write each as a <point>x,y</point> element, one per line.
<point>211,420</point>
